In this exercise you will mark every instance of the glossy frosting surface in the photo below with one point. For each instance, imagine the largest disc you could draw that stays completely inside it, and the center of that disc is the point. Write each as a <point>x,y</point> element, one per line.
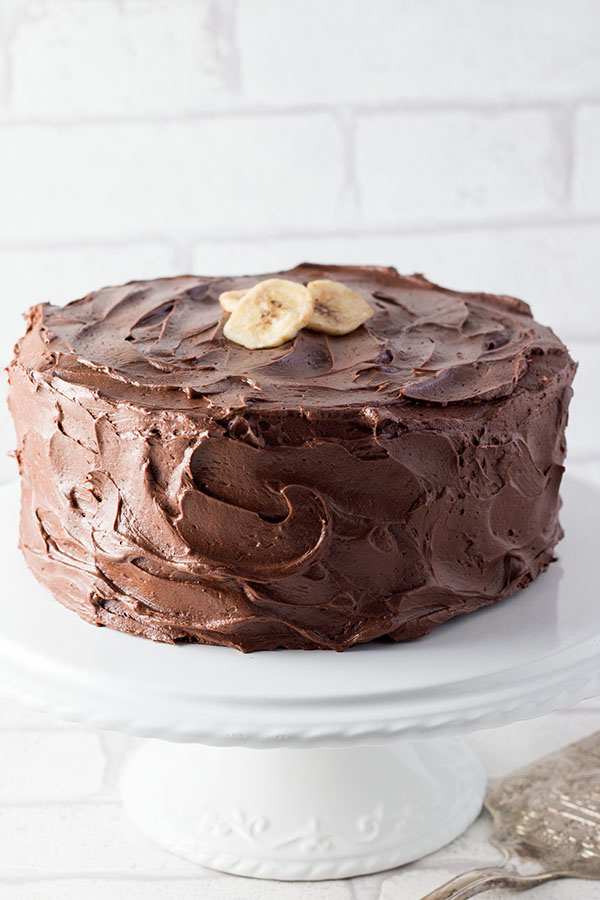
<point>326,492</point>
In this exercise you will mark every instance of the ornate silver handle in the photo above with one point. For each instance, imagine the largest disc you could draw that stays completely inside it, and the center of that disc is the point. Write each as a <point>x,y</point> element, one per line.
<point>475,882</point>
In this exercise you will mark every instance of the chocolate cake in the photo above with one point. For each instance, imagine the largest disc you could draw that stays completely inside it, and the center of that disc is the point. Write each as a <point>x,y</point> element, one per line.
<point>328,491</point>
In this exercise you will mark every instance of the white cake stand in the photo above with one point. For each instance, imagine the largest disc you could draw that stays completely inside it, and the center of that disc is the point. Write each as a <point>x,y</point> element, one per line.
<point>298,765</point>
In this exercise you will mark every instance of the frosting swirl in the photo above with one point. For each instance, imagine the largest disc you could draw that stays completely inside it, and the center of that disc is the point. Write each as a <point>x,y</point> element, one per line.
<point>319,494</point>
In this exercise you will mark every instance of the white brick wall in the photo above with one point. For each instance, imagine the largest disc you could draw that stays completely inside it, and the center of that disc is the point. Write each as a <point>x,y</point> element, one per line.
<point>452,166</point>
<point>144,137</point>
<point>164,57</point>
<point>372,51</point>
<point>54,838</point>
<point>45,766</point>
<point>114,181</point>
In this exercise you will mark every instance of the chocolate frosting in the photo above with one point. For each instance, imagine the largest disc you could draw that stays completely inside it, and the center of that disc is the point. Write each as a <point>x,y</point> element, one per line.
<point>322,493</point>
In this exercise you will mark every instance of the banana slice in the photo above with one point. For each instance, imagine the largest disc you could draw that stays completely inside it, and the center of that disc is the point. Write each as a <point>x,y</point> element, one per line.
<point>230,299</point>
<point>269,314</point>
<point>338,310</point>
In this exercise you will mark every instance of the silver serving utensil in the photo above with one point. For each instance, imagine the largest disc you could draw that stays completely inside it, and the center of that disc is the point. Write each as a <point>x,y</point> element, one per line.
<point>547,813</point>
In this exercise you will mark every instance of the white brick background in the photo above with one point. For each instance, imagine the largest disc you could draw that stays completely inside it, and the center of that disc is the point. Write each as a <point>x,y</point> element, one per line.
<point>460,138</point>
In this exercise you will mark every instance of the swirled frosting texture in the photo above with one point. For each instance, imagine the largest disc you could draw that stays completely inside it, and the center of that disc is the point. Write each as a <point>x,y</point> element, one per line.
<point>319,494</point>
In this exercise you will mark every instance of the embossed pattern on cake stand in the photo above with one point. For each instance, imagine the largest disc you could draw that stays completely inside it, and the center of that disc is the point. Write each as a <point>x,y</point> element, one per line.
<point>303,765</point>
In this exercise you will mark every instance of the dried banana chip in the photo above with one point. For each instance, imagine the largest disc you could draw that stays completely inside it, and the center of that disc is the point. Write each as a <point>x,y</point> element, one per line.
<point>338,310</point>
<point>230,299</point>
<point>269,314</point>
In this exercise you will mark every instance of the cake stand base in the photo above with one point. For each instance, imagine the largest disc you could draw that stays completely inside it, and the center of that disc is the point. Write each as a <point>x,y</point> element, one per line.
<point>303,814</point>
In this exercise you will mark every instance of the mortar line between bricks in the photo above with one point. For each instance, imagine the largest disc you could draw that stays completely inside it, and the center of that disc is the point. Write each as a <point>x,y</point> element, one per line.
<point>131,119</point>
<point>91,243</point>
<point>483,105</point>
<point>220,23</point>
<point>27,876</point>
<point>569,152</point>
<point>182,253</point>
<point>349,189</point>
<point>592,705</point>
<point>417,227</point>
<point>53,728</point>
<point>558,220</point>
<point>249,109</point>
<point>7,32</point>
<point>88,802</point>
<point>376,876</point>
<point>50,723</point>
<point>234,48</point>
<point>4,66</point>
<point>560,152</point>
<point>95,799</point>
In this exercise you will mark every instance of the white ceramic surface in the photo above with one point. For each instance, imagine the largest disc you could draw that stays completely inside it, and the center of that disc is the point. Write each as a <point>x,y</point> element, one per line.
<point>534,653</point>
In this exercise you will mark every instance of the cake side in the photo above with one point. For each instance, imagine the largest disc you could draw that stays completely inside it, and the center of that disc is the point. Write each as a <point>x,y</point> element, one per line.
<point>182,514</point>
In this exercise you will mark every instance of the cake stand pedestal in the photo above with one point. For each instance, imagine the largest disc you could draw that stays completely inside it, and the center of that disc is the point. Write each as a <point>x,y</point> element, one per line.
<point>304,814</point>
<point>297,765</point>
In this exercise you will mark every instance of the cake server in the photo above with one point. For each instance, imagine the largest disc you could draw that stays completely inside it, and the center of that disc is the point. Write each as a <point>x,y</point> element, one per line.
<point>548,814</point>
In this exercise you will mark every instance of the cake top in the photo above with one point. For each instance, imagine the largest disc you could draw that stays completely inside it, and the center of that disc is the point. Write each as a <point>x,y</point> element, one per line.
<point>161,342</point>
